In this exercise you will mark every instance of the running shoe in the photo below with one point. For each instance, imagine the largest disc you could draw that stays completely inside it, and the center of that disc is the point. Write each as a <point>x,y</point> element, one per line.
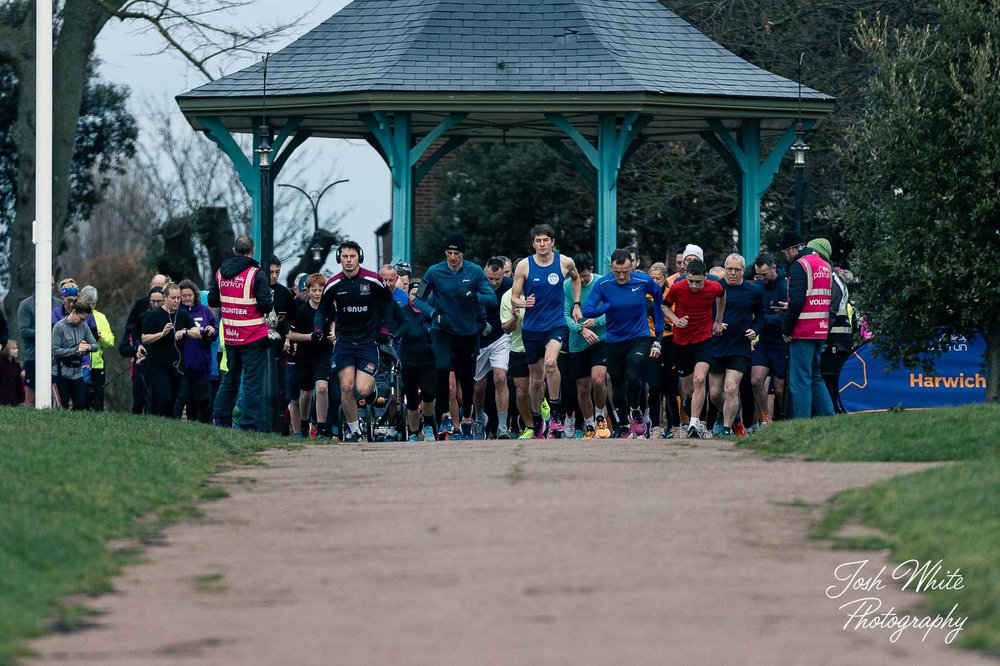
<point>590,432</point>
<point>603,431</point>
<point>623,433</point>
<point>656,432</point>
<point>313,431</point>
<point>718,427</point>
<point>527,433</point>
<point>446,427</point>
<point>429,435</point>
<point>578,434</point>
<point>569,425</point>
<point>479,431</point>
<point>467,430</point>
<point>414,437</point>
<point>503,433</point>
<point>724,432</point>
<point>541,434</point>
<point>765,419</point>
<point>703,431</point>
<point>637,425</point>
<point>297,435</point>
<point>355,437</point>
<point>556,428</point>
<point>739,430</point>
<point>545,410</point>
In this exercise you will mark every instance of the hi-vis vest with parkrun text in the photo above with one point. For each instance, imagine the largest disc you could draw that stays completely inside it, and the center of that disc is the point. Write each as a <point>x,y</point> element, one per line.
<point>244,321</point>
<point>814,320</point>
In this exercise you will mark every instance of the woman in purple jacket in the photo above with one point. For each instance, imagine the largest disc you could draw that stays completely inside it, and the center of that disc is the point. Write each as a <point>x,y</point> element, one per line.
<point>196,384</point>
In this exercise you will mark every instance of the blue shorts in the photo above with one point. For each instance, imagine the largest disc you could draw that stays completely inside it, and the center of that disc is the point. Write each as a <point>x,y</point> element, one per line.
<point>771,355</point>
<point>536,341</point>
<point>363,356</point>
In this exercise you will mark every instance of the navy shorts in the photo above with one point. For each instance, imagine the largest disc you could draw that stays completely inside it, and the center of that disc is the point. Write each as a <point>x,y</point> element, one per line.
<point>771,355</point>
<point>536,341</point>
<point>363,356</point>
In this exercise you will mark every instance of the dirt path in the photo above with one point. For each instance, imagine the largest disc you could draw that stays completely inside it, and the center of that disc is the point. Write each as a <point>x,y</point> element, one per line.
<point>502,552</point>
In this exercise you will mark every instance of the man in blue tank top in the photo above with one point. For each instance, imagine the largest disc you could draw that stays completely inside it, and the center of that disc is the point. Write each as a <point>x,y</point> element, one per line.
<point>538,287</point>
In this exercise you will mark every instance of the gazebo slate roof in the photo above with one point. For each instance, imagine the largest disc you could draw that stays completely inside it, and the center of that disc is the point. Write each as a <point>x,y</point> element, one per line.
<point>507,61</point>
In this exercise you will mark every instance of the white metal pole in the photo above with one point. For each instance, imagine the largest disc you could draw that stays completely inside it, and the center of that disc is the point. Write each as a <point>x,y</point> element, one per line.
<point>43,204</point>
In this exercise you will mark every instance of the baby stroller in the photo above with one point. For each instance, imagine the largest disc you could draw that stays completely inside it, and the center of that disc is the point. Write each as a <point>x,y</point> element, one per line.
<point>383,416</point>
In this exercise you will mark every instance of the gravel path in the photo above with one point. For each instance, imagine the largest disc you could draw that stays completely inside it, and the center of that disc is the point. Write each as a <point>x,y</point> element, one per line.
<point>556,552</point>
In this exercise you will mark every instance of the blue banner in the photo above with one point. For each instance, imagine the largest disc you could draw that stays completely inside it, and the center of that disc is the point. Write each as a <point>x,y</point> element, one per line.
<point>958,379</point>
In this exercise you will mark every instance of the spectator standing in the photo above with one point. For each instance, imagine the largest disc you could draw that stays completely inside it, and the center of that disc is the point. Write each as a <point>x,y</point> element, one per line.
<point>243,293</point>
<point>195,394</point>
<point>11,381</point>
<point>805,329</point>
<point>26,327</point>
<point>164,331</point>
<point>71,341</point>
<point>105,340</point>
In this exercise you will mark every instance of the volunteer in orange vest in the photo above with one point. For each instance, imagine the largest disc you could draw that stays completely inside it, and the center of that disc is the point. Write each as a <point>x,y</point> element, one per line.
<point>243,292</point>
<point>806,325</point>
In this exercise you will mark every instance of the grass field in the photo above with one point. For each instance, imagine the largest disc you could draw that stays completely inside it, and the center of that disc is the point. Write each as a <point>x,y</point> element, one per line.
<point>70,482</point>
<point>950,513</point>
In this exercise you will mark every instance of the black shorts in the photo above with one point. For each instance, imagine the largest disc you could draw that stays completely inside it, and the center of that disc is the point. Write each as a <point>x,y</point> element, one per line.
<point>720,364</point>
<point>619,353</point>
<point>29,374</point>
<point>517,366</point>
<point>583,361</point>
<point>688,356</point>
<point>535,342</point>
<point>310,370</point>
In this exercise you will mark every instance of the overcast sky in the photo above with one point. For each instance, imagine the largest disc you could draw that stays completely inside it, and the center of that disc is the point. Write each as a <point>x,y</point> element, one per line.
<point>156,79</point>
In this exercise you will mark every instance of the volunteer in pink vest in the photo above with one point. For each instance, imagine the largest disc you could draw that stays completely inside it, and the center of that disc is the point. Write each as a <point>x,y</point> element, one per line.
<point>806,325</point>
<point>243,292</point>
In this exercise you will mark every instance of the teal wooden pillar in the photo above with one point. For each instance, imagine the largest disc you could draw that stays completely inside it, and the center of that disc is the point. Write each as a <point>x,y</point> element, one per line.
<point>742,154</point>
<point>615,144</point>
<point>393,138</point>
<point>249,171</point>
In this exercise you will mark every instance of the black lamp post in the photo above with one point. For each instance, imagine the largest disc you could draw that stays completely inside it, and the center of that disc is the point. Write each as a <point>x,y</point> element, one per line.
<point>799,149</point>
<point>315,247</point>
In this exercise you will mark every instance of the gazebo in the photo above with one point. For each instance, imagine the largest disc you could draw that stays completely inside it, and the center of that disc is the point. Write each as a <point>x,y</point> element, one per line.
<point>593,79</point>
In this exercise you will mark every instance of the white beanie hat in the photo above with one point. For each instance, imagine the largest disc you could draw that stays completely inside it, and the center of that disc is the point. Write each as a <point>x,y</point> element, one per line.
<point>695,250</point>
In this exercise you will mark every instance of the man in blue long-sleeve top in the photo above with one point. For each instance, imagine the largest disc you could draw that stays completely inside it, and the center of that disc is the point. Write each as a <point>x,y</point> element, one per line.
<point>453,293</point>
<point>742,322</point>
<point>621,297</point>
<point>771,351</point>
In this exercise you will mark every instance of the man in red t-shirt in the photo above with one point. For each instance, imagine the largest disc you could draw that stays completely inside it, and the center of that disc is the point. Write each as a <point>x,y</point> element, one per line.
<point>693,298</point>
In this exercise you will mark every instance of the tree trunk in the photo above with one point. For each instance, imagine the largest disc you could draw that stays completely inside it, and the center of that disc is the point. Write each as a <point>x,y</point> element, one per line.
<point>992,336</point>
<point>81,21</point>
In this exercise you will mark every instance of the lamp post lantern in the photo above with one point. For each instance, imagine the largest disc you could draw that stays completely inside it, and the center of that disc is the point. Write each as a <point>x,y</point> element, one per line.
<point>799,149</point>
<point>315,247</point>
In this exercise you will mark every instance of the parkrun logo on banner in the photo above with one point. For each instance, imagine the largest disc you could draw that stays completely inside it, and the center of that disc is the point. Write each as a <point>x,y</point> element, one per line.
<point>961,381</point>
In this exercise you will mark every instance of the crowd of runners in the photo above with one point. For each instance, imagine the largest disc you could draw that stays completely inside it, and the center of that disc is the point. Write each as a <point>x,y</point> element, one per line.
<point>643,352</point>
